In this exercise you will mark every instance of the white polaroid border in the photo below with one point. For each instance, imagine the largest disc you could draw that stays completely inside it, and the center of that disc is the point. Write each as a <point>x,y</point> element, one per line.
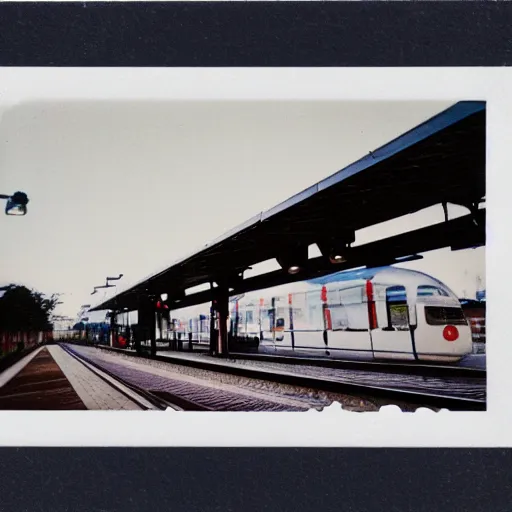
<point>332,427</point>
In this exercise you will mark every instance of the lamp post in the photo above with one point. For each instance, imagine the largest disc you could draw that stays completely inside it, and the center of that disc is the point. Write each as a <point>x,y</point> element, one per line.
<point>114,278</point>
<point>108,285</point>
<point>96,288</point>
<point>16,203</point>
<point>113,322</point>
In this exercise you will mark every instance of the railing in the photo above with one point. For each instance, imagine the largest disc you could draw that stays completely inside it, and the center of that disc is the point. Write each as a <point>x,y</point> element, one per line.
<point>17,341</point>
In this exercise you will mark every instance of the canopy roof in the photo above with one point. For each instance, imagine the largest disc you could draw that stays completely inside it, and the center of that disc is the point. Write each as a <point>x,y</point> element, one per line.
<point>441,160</point>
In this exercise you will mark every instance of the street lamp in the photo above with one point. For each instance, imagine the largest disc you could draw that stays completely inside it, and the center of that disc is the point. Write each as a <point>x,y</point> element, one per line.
<point>96,288</point>
<point>114,278</point>
<point>16,203</point>
<point>108,285</point>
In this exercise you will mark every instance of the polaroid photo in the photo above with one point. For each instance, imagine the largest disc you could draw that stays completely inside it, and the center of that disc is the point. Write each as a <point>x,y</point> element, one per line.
<point>253,257</point>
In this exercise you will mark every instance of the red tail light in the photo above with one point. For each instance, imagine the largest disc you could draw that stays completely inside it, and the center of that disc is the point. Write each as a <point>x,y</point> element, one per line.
<point>450,333</point>
<point>323,296</point>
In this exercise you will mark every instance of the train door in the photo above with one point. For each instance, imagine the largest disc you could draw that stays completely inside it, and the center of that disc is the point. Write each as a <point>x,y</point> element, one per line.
<point>308,323</point>
<point>251,326</point>
<point>350,327</point>
<point>390,325</point>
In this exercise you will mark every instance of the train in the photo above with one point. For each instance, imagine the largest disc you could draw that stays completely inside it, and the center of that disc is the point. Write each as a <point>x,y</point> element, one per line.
<point>372,313</point>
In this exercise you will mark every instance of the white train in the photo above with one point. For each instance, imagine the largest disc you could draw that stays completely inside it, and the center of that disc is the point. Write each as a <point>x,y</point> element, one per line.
<point>379,313</point>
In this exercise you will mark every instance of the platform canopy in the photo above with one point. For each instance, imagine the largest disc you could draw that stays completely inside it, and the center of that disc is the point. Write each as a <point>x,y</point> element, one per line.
<point>440,161</point>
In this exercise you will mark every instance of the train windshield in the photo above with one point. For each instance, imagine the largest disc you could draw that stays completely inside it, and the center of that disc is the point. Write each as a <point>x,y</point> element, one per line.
<point>443,316</point>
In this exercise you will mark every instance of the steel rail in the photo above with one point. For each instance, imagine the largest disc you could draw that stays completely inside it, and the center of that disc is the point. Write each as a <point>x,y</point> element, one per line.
<point>398,368</point>
<point>100,372</point>
<point>426,399</point>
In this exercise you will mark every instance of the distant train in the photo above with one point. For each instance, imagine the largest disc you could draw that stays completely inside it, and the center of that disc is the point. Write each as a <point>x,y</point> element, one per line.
<point>378,313</point>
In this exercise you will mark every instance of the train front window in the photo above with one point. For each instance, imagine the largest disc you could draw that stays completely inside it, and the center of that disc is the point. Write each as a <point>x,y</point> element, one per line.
<point>442,316</point>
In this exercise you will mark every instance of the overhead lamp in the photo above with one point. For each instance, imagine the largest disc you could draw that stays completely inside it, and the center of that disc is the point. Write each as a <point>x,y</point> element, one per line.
<point>337,249</point>
<point>16,204</point>
<point>293,259</point>
<point>337,257</point>
<point>114,278</point>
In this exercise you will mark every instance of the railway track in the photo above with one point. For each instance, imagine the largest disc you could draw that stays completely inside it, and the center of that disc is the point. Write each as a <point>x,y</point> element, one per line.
<point>393,394</point>
<point>419,369</point>
<point>145,399</point>
<point>402,368</point>
<point>196,395</point>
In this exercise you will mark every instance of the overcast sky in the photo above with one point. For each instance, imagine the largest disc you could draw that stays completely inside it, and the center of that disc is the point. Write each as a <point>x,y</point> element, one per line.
<point>131,187</point>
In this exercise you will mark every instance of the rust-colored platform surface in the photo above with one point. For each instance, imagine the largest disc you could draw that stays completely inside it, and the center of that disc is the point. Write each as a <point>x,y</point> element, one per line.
<point>41,385</point>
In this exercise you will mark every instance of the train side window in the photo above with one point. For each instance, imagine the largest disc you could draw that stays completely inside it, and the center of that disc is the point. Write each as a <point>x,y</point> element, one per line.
<point>339,317</point>
<point>351,313</point>
<point>396,307</point>
<point>426,290</point>
<point>249,317</point>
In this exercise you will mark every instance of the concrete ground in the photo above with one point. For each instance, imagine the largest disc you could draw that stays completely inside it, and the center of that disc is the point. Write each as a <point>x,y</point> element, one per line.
<point>92,390</point>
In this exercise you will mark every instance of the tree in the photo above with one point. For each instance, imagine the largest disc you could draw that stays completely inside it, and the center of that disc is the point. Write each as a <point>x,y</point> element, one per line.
<point>24,310</point>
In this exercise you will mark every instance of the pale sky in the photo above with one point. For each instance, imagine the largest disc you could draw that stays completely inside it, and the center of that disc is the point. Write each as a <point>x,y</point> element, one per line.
<point>131,187</point>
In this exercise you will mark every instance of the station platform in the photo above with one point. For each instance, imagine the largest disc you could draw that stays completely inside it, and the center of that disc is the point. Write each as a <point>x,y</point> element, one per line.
<point>50,379</point>
<point>476,361</point>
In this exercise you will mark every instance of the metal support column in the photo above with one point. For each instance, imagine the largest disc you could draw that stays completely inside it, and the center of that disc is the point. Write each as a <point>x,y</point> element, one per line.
<point>237,319</point>
<point>112,329</point>
<point>223,314</point>
<point>137,332</point>
<point>172,328</point>
<point>160,322</point>
<point>290,313</point>
<point>152,326</point>
<point>213,330</point>
<point>146,319</point>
